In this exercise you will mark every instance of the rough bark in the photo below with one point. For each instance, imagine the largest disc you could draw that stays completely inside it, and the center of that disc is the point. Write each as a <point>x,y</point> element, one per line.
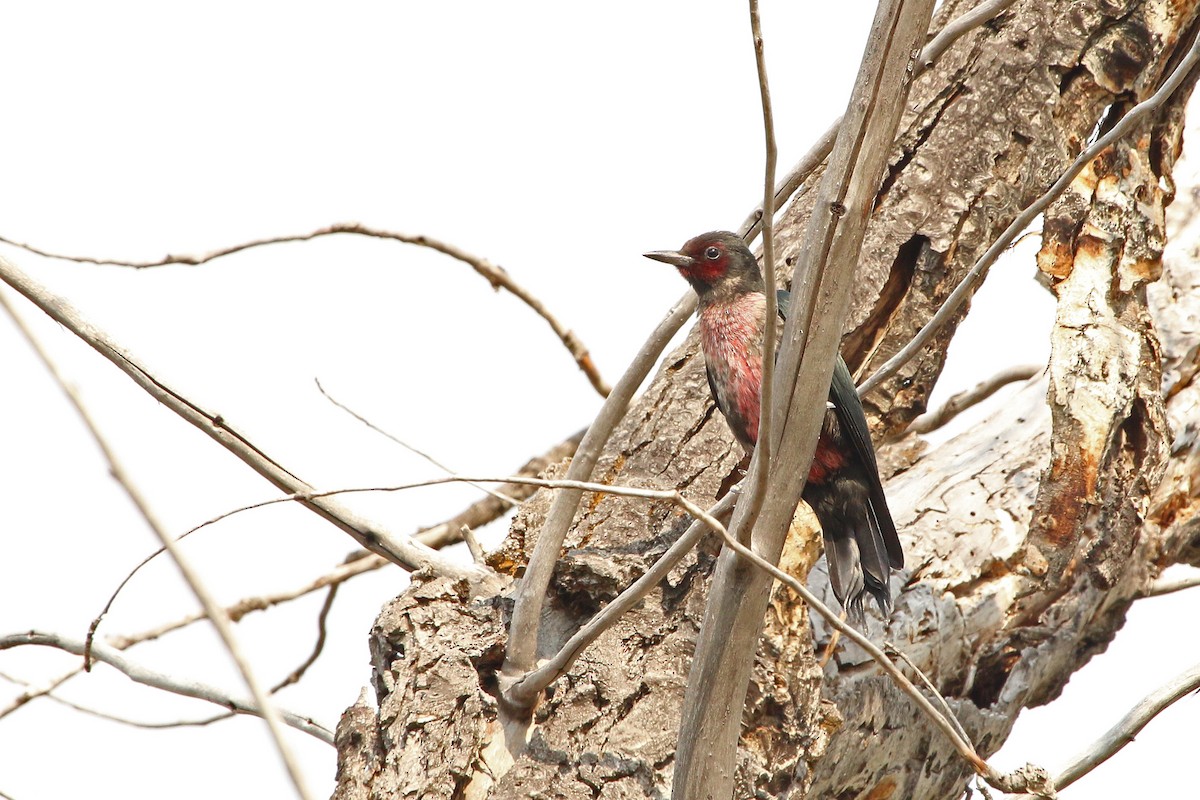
<point>1027,537</point>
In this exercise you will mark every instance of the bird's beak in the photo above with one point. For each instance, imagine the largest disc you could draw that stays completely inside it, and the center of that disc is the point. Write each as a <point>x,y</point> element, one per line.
<point>672,257</point>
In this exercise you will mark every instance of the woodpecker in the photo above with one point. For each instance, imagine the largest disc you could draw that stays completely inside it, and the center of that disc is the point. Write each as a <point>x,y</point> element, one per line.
<point>843,487</point>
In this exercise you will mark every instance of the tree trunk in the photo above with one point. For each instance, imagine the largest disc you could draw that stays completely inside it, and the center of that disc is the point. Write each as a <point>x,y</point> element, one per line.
<point>1026,538</point>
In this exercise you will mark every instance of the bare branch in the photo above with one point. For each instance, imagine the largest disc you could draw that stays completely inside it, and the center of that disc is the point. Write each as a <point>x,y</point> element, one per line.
<point>356,565</point>
<point>932,420</point>
<point>473,545</point>
<point>410,448</point>
<point>1171,585</point>
<point>496,275</point>
<point>1130,725</point>
<point>114,465</point>
<point>322,617</point>
<point>372,536</point>
<point>760,468</point>
<point>531,593</point>
<point>1128,124</point>
<point>490,509</point>
<point>158,680</point>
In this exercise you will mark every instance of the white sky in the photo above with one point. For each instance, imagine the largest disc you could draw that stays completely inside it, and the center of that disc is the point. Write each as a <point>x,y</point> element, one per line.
<point>558,143</point>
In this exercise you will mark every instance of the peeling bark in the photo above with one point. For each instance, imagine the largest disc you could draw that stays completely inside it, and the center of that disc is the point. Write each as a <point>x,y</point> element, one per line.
<point>1027,537</point>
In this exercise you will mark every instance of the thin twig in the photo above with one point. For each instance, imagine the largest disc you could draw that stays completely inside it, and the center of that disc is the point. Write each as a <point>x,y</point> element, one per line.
<point>489,509</point>
<point>896,652</point>
<point>322,617</point>
<point>1128,124</point>
<point>410,448</point>
<point>831,647</point>
<point>361,562</point>
<point>932,420</point>
<point>357,564</point>
<point>1130,725</point>
<point>476,515</point>
<point>473,545</point>
<point>496,275</point>
<point>136,723</point>
<point>370,535</point>
<point>821,149</point>
<point>1170,585</point>
<point>158,680</point>
<point>760,469</point>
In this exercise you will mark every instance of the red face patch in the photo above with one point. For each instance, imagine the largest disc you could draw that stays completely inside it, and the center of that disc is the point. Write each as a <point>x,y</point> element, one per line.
<point>711,260</point>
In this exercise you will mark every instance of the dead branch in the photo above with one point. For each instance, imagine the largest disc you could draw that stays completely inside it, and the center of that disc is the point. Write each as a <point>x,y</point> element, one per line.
<point>158,680</point>
<point>762,462</point>
<point>1130,725</point>
<point>1171,585</point>
<point>960,402</point>
<point>497,276</point>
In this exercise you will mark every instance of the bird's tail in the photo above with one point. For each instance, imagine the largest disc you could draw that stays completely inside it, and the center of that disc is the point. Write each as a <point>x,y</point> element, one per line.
<point>859,565</point>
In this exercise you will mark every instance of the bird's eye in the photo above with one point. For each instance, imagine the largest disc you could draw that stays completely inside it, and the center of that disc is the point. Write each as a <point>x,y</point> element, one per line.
<point>712,253</point>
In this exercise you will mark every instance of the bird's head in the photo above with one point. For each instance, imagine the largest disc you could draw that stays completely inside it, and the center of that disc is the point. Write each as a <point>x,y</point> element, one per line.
<point>717,264</point>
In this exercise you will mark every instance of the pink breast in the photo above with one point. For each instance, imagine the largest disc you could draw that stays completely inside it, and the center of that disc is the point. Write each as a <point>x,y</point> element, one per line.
<point>731,337</point>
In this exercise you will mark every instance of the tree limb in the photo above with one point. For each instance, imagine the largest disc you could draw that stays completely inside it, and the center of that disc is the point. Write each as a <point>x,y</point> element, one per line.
<point>158,680</point>
<point>1129,726</point>
<point>932,420</point>
<point>496,275</point>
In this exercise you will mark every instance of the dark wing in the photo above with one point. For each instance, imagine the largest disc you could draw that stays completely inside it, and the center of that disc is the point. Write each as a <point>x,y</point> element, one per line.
<point>844,397</point>
<point>849,410</point>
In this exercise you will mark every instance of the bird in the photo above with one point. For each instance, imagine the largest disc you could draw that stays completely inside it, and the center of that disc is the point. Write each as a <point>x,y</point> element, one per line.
<point>843,487</point>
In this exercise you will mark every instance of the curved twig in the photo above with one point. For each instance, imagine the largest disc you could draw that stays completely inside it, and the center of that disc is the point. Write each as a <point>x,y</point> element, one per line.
<point>760,468</point>
<point>932,420</point>
<point>158,680</point>
<point>1130,725</point>
<point>496,275</point>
